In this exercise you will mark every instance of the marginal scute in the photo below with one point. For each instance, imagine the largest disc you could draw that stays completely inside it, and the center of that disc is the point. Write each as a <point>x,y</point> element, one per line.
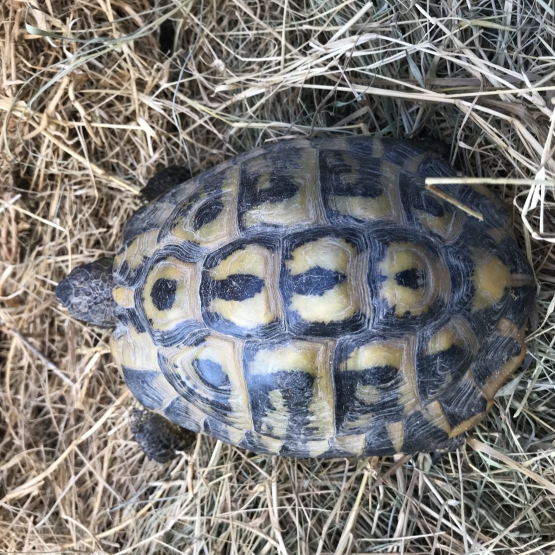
<point>131,259</point>
<point>133,349</point>
<point>443,356</point>
<point>499,357</point>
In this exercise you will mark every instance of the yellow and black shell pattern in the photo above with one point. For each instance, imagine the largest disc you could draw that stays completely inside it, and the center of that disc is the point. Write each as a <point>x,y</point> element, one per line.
<point>312,298</point>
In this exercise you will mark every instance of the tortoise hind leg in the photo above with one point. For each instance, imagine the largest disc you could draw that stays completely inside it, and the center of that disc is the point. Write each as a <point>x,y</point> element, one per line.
<point>165,180</point>
<point>159,437</point>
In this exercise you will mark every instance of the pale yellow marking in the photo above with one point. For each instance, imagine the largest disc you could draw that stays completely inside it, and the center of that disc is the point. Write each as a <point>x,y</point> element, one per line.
<point>273,445</point>
<point>342,301</point>
<point>499,234</point>
<point>251,260</point>
<point>226,352</point>
<point>449,226</point>
<point>235,435</point>
<point>506,328</point>
<point>316,447</point>
<point>334,305</point>
<point>377,149</point>
<point>276,420</point>
<point>133,349</point>
<point>470,423</point>
<point>141,248</point>
<point>186,305</point>
<point>396,434</point>
<point>124,296</point>
<point>249,314</point>
<point>303,208</point>
<point>406,256</point>
<point>491,277</point>
<point>375,354</point>
<point>306,356</point>
<point>221,229</point>
<point>330,253</point>
<point>412,163</point>
<point>401,257</point>
<point>353,444</point>
<point>434,415</point>
<point>443,340</point>
<point>367,394</point>
<point>456,332</point>
<point>264,307</point>
<point>313,358</point>
<point>363,208</point>
<point>163,387</point>
<point>287,213</point>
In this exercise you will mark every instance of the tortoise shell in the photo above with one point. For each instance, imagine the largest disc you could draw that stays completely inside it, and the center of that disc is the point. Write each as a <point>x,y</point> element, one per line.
<point>312,298</point>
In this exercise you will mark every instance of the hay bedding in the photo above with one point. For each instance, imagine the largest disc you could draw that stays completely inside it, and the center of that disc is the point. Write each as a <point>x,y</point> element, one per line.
<point>94,97</point>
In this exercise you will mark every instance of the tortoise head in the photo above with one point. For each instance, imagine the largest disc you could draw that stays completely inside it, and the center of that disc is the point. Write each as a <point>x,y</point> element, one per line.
<point>87,293</point>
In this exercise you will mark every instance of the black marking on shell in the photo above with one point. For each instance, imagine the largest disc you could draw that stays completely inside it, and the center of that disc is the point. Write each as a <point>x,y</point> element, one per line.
<point>204,202</point>
<point>206,397</point>
<point>207,212</point>
<point>212,374</point>
<point>163,293</point>
<point>253,442</point>
<point>349,407</point>
<point>494,353</point>
<point>211,289</point>
<point>461,402</point>
<point>437,372</point>
<point>337,179</point>
<point>435,166</point>
<point>377,442</point>
<point>398,151</point>
<point>316,281</point>
<point>421,435</point>
<point>164,180</point>
<point>296,389</point>
<point>413,278</point>
<point>237,287</point>
<point>217,429</point>
<point>141,384</point>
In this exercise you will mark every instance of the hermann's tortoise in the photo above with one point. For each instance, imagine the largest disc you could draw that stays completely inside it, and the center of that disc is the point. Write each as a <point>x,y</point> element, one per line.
<point>313,299</point>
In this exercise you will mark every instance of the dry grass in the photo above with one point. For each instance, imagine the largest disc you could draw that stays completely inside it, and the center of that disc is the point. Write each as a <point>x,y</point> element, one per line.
<point>91,106</point>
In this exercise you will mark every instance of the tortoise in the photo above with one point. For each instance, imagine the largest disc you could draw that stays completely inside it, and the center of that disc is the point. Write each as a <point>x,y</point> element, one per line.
<point>312,299</point>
